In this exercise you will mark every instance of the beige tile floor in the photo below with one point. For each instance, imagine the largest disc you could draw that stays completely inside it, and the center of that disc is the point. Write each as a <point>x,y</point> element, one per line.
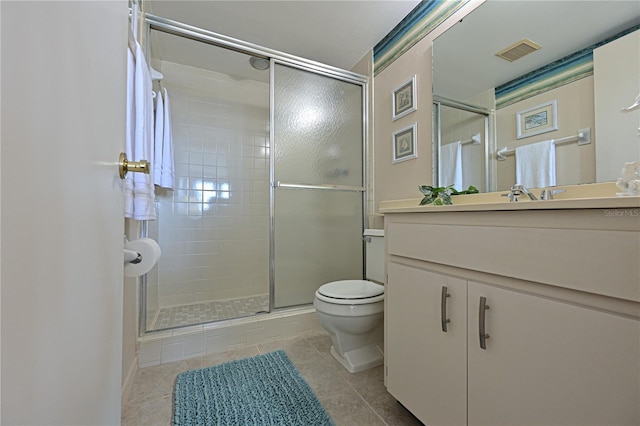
<point>350,399</point>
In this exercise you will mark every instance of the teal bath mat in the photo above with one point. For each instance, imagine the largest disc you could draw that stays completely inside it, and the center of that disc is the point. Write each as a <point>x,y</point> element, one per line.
<point>262,390</point>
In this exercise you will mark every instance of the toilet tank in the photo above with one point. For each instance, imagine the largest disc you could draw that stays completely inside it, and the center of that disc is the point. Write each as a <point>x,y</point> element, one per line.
<point>374,249</point>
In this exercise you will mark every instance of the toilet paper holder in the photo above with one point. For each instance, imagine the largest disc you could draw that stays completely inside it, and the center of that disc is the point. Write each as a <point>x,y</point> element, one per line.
<point>140,256</point>
<point>131,256</point>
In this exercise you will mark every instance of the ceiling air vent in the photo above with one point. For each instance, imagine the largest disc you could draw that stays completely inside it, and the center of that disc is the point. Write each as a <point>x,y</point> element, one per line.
<point>518,50</point>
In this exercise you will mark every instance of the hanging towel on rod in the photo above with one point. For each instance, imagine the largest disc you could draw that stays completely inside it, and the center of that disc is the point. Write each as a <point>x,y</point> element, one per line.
<point>167,178</point>
<point>536,164</point>
<point>451,165</point>
<point>139,190</point>
<point>163,144</point>
<point>130,132</point>
<point>158,140</point>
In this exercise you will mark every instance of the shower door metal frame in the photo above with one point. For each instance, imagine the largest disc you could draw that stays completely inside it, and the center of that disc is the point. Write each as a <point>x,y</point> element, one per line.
<point>348,78</point>
<point>438,102</point>
<point>180,29</point>
<point>199,34</point>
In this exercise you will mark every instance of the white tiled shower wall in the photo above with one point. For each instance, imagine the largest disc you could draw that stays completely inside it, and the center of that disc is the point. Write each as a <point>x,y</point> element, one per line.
<point>214,227</point>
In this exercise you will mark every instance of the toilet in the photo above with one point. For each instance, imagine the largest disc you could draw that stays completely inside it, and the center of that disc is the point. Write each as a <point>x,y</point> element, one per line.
<point>351,311</point>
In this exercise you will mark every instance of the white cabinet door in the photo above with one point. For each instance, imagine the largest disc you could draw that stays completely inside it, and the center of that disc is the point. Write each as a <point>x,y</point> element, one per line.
<point>426,367</point>
<point>550,363</point>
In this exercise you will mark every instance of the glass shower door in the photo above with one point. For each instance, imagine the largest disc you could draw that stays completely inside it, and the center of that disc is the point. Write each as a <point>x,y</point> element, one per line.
<point>317,180</point>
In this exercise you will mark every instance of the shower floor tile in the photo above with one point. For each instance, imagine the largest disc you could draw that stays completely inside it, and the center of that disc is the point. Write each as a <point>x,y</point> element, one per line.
<point>215,310</point>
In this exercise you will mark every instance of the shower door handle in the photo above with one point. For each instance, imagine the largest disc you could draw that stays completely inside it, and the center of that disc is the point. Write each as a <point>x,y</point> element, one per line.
<point>278,184</point>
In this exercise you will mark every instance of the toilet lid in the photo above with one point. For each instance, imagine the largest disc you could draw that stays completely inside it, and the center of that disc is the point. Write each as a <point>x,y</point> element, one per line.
<point>351,289</point>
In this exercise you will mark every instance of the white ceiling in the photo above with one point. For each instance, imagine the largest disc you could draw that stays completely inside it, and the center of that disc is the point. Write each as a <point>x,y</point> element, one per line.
<point>340,33</point>
<point>464,57</point>
<point>337,33</point>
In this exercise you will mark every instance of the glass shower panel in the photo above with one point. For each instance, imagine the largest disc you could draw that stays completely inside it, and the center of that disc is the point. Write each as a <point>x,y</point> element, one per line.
<point>318,147</point>
<point>318,125</point>
<point>318,240</point>
<point>213,228</point>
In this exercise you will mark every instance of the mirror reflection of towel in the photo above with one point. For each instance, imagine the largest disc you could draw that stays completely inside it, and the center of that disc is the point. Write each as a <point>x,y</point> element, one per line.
<point>451,165</point>
<point>536,164</point>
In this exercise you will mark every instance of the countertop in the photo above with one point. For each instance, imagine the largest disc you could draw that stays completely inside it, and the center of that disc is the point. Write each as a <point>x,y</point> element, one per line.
<point>590,196</point>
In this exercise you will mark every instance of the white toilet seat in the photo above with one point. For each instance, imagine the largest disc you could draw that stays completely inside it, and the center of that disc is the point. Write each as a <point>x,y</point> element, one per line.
<point>351,292</point>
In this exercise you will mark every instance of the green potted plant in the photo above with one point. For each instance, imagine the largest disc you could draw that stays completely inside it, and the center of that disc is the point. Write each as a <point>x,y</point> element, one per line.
<point>441,195</point>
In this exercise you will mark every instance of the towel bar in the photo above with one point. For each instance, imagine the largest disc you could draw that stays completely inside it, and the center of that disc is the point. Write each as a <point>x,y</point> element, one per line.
<point>583,138</point>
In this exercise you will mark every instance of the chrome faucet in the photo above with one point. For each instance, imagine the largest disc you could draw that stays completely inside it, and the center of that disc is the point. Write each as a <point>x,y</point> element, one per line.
<point>516,191</point>
<point>547,194</point>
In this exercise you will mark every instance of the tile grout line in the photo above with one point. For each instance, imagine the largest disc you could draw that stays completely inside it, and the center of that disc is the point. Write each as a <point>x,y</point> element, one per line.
<point>351,386</point>
<point>367,403</point>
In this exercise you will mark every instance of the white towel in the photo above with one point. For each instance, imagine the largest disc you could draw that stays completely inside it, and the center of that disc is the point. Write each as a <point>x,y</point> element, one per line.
<point>167,179</point>
<point>143,189</point>
<point>130,135</point>
<point>536,164</point>
<point>158,140</point>
<point>451,165</point>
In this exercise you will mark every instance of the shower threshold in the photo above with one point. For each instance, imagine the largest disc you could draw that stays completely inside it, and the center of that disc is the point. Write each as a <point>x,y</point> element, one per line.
<point>209,311</point>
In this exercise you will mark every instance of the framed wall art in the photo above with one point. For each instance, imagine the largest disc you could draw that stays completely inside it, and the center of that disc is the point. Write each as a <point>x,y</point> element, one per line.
<point>404,143</point>
<point>538,119</point>
<point>404,99</point>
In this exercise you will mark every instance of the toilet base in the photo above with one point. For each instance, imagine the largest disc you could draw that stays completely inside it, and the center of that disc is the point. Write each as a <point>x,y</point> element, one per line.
<point>360,359</point>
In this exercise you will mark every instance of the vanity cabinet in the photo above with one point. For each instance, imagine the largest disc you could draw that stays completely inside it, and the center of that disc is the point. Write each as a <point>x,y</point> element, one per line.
<point>549,362</point>
<point>426,366</point>
<point>554,355</point>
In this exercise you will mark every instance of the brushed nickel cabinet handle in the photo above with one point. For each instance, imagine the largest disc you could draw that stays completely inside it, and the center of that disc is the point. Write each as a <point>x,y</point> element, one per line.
<point>443,308</point>
<point>483,335</point>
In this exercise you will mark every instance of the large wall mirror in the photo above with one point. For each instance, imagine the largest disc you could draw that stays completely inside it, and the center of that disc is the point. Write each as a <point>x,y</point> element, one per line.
<point>545,90</point>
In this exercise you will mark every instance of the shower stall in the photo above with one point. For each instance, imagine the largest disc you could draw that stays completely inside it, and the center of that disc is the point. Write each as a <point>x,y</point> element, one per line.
<point>269,197</point>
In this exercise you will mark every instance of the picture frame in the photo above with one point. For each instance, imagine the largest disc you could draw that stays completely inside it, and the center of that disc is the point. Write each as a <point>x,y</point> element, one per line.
<point>536,120</point>
<point>403,99</point>
<point>404,143</point>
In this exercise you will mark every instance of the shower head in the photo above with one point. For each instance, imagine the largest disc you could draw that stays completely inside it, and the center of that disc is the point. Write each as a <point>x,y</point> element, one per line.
<point>259,63</point>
